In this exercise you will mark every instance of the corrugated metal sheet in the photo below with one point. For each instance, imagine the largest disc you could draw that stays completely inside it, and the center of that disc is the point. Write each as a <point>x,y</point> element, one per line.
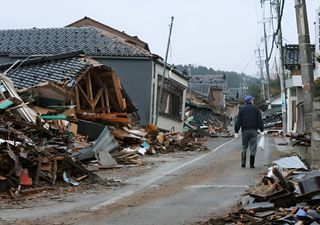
<point>292,162</point>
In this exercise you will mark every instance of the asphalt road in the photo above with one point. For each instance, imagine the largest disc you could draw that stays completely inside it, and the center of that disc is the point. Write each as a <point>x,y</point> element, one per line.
<point>180,191</point>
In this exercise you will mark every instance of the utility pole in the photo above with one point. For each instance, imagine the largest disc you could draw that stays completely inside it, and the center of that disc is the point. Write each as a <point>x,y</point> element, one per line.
<point>159,99</point>
<point>267,63</point>
<point>305,61</point>
<point>281,69</point>
<point>261,74</point>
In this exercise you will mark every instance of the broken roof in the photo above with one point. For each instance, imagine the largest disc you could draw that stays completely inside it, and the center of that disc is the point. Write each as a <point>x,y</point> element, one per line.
<point>203,90</point>
<point>59,68</point>
<point>50,41</point>
<point>211,80</point>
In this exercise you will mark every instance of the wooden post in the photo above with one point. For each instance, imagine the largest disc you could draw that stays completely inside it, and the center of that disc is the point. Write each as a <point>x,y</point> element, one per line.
<point>89,91</point>
<point>107,99</point>
<point>97,97</point>
<point>77,95</point>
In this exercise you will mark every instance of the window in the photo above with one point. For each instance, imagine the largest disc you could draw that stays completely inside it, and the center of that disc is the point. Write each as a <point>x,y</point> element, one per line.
<point>171,101</point>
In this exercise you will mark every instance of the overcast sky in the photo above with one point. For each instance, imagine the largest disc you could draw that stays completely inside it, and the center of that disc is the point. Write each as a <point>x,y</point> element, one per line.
<point>219,34</point>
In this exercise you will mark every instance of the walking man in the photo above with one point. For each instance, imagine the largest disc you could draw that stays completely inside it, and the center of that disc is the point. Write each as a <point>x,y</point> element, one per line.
<point>250,121</point>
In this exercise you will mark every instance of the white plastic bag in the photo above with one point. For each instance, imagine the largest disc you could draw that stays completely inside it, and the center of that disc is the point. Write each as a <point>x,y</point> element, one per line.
<point>261,143</point>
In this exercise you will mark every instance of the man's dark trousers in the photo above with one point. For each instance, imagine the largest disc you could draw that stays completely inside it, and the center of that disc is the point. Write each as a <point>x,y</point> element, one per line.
<point>249,138</point>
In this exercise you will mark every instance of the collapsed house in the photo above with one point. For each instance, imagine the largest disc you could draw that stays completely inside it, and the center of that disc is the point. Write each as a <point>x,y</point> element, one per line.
<point>72,81</point>
<point>206,109</point>
<point>203,121</point>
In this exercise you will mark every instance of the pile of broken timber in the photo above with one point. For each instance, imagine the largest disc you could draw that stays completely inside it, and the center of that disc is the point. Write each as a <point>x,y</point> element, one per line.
<point>301,139</point>
<point>138,141</point>
<point>32,156</point>
<point>288,194</point>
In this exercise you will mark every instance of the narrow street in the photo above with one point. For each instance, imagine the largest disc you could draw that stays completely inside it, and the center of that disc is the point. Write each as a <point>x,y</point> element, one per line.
<point>180,191</point>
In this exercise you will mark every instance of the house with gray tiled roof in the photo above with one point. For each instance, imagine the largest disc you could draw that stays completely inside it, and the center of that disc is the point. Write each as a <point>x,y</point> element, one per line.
<point>51,41</point>
<point>140,71</point>
<point>87,21</point>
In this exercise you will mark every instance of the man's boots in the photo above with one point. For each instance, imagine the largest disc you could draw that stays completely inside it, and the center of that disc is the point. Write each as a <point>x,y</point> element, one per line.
<point>252,161</point>
<point>243,159</point>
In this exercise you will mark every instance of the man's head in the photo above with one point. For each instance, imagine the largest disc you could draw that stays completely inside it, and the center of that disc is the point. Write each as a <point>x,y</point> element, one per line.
<point>248,99</point>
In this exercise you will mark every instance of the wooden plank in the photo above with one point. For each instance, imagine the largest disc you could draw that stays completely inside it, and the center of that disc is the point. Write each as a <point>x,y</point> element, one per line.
<point>117,87</point>
<point>77,97</point>
<point>89,91</point>
<point>106,96</point>
<point>103,104</point>
<point>97,98</point>
<point>84,94</point>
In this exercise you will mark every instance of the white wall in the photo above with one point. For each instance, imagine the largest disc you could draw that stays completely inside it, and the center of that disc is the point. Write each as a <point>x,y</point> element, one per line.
<point>166,123</point>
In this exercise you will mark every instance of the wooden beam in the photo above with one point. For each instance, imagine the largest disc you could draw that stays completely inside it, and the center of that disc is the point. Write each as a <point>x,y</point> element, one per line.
<point>77,96</point>
<point>106,96</point>
<point>103,104</point>
<point>84,94</point>
<point>97,98</point>
<point>117,87</point>
<point>89,91</point>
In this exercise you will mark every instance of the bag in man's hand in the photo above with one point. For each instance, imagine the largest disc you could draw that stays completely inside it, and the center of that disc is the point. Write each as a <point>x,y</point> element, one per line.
<point>261,143</point>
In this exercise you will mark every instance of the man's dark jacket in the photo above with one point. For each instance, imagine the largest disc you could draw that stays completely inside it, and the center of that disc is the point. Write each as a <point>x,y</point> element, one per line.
<point>249,117</point>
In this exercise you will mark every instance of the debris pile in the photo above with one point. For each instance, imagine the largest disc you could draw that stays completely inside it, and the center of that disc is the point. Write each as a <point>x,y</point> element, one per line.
<point>57,125</point>
<point>301,139</point>
<point>150,140</point>
<point>288,194</point>
<point>202,121</point>
<point>272,118</point>
<point>33,155</point>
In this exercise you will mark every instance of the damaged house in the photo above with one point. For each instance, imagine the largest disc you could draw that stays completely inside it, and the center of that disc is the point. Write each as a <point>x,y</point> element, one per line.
<point>140,71</point>
<point>72,81</point>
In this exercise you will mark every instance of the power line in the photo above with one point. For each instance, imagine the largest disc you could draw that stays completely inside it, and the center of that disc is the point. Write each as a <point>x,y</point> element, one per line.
<point>278,28</point>
<point>250,60</point>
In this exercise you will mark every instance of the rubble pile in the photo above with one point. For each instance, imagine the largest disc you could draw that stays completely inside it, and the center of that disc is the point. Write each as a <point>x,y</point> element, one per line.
<point>176,141</point>
<point>272,118</point>
<point>150,140</point>
<point>301,139</point>
<point>56,127</point>
<point>201,120</point>
<point>34,156</point>
<point>288,194</point>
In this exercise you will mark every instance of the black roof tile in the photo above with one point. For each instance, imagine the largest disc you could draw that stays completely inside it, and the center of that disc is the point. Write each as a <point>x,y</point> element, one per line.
<point>90,40</point>
<point>292,57</point>
<point>34,71</point>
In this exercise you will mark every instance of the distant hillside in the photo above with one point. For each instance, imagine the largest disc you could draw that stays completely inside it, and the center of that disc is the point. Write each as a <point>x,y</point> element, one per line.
<point>234,79</point>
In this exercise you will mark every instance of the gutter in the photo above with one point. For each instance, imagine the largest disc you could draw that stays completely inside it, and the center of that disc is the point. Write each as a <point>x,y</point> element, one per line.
<point>90,56</point>
<point>169,67</point>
